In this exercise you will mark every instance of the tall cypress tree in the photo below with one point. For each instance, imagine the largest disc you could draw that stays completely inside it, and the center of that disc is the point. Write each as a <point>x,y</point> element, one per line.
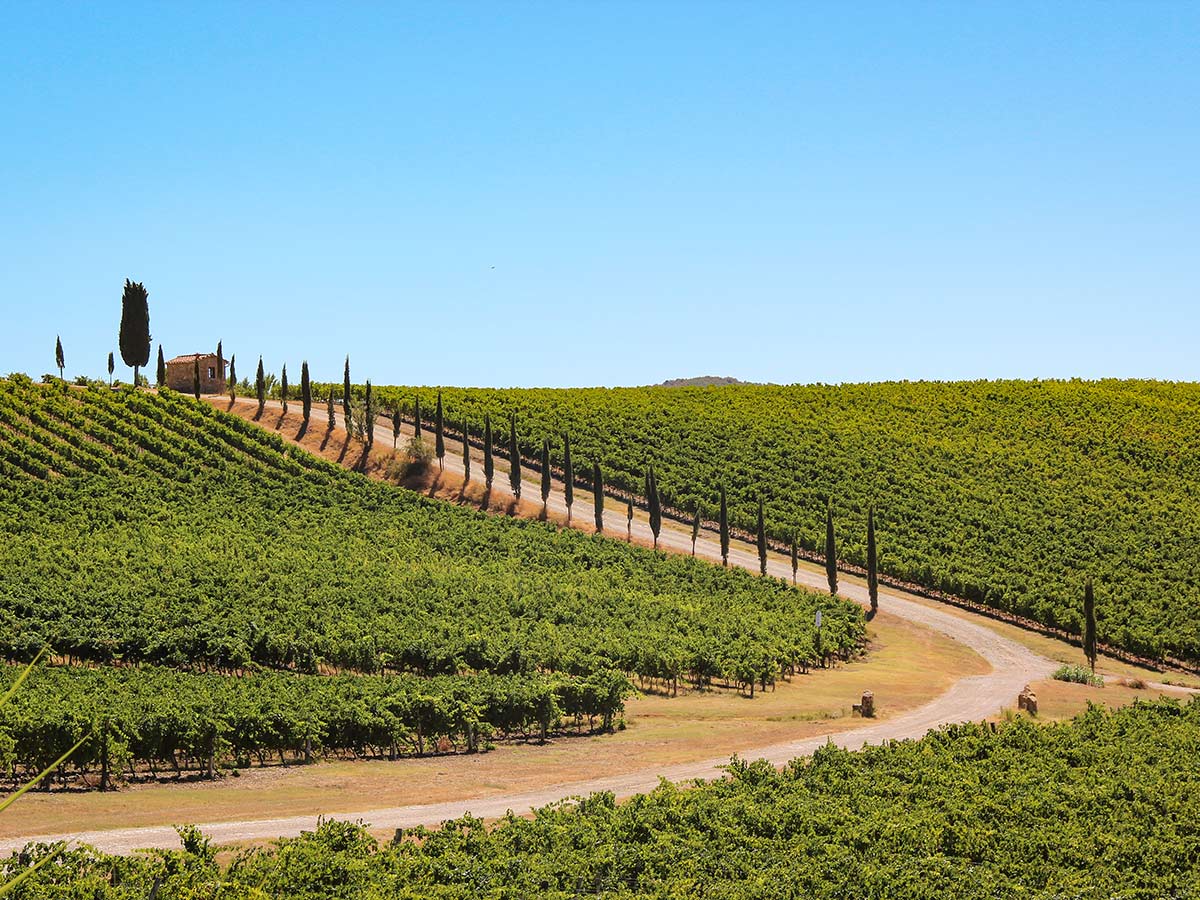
<point>761,537</point>
<point>466,442</point>
<point>305,392</point>
<point>58,356</point>
<point>134,337</point>
<point>598,496</point>
<point>514,459</point>
<point>568,475</point>
<point>872,563</point>
<point>545,461</point>
<point>1089,624</point>
<point>795,560</point>
<point>196,377</point>
<point>653,503</point>
<point>346,397</point>
<point>369,417</point>
<point>695,528</point>
<point>260,386</point>
<point>489,463</point>
<point>395,426</point>
<point>830,550</point>
<point>220,360</point>
<point>111,368</point>
<point>233,385</point>
<point>417,416</point>
<point>283,388</point>
<point>439,437</point>
<point>329,409</point>
<point>723,522</point>
<point>629,521</point>
<point>160,375</point>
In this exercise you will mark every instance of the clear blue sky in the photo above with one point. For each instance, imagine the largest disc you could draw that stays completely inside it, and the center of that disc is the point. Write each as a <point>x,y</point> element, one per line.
<point>609,193</point>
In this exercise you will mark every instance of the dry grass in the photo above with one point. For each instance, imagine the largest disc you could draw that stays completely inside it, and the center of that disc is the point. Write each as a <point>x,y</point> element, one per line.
<point>1062,700</point>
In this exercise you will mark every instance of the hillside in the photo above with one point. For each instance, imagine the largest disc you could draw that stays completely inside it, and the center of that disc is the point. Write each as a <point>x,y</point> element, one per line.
<point>155,531</point>
<point>1006,493</point>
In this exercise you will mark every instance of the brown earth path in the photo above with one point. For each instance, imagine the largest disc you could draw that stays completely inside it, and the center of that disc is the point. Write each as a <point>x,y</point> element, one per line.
<point>972,698</point>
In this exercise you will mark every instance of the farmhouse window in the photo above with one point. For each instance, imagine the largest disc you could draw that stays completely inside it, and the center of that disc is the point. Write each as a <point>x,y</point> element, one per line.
<point>212,373</point>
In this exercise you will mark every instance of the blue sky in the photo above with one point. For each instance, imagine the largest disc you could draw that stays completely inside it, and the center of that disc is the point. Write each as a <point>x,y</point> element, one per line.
<point>609,193</point>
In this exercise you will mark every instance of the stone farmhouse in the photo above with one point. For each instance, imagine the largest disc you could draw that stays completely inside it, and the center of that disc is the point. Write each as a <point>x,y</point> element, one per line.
<point>180,371</point>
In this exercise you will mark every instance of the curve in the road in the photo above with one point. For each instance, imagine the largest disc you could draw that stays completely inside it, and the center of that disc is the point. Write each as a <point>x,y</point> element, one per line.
<point>970,698</point>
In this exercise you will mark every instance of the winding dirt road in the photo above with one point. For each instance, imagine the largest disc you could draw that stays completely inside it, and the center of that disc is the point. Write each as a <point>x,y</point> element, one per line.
<point>969,699</point>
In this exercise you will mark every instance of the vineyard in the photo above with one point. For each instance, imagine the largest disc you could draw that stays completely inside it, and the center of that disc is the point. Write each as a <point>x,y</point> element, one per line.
<point>1105,806</point>
<point>1005,493</point>
<point>307,608</point>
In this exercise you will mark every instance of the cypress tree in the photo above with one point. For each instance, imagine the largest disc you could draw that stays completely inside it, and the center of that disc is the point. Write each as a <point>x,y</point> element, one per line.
<point>439,437</point>
<point>795,560</point>
<point>761,536</point>
<point>112,365</point>
<point>514,459</point>
<point>369,416</point>
<point>629,522</point>
<point>329,408</point>
<point>283,388</point>
<point>160,376</point>
<point>489,464</point>
<point>134,337</point>
<point>695,528</point>
<point>1089,624</point>
<point>196,377</point>
<point>220,359</point>
<point>395,426</point>
<point>872,563</point>
<point>545,473</point>
<point>723,522</point>
<point>260,386</point>
<point>417,416</point>
<point>598,496</point>
<point>830,550</point>
<point>58,356</point>
<point>233,378</point>
<point>466,442</point>
<point>346,397</point>
<point>654,505</point>
<point>305,392</point>
<point>568,475</point>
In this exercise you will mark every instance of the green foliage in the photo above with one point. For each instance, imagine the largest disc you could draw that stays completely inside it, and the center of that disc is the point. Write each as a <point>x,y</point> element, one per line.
<point>260,386</point>
<point>346,417</point>
<point>489,462</point>
<point>653,504</point>
<point>134,337</point>
<point>160,718</point>
<point>598,496</point>
<point>1102,807</point>
<point>760,539</point>
<point>182,536</point>
<point>872,562</point>
<point>987,490</point>
<point>233,382</point>
<point>160,374</point>
<point>59,361</point>
<point>1089,624</point>
<point>439,436</point>
<point>305,392</point>
<point>568,474</point>
<point>831,573</point>
<point>514,459</point>
<point>283,388</point>
<point>1078,675</point>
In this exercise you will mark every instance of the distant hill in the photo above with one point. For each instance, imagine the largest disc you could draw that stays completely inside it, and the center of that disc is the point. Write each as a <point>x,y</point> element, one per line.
<point>702,381</point>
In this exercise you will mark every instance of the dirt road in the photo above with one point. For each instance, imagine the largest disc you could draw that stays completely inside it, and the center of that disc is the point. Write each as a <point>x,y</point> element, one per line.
<point>971,698</point>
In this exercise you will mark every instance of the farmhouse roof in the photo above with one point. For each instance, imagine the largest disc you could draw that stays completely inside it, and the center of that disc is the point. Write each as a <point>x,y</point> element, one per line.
<point>191,357</point>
